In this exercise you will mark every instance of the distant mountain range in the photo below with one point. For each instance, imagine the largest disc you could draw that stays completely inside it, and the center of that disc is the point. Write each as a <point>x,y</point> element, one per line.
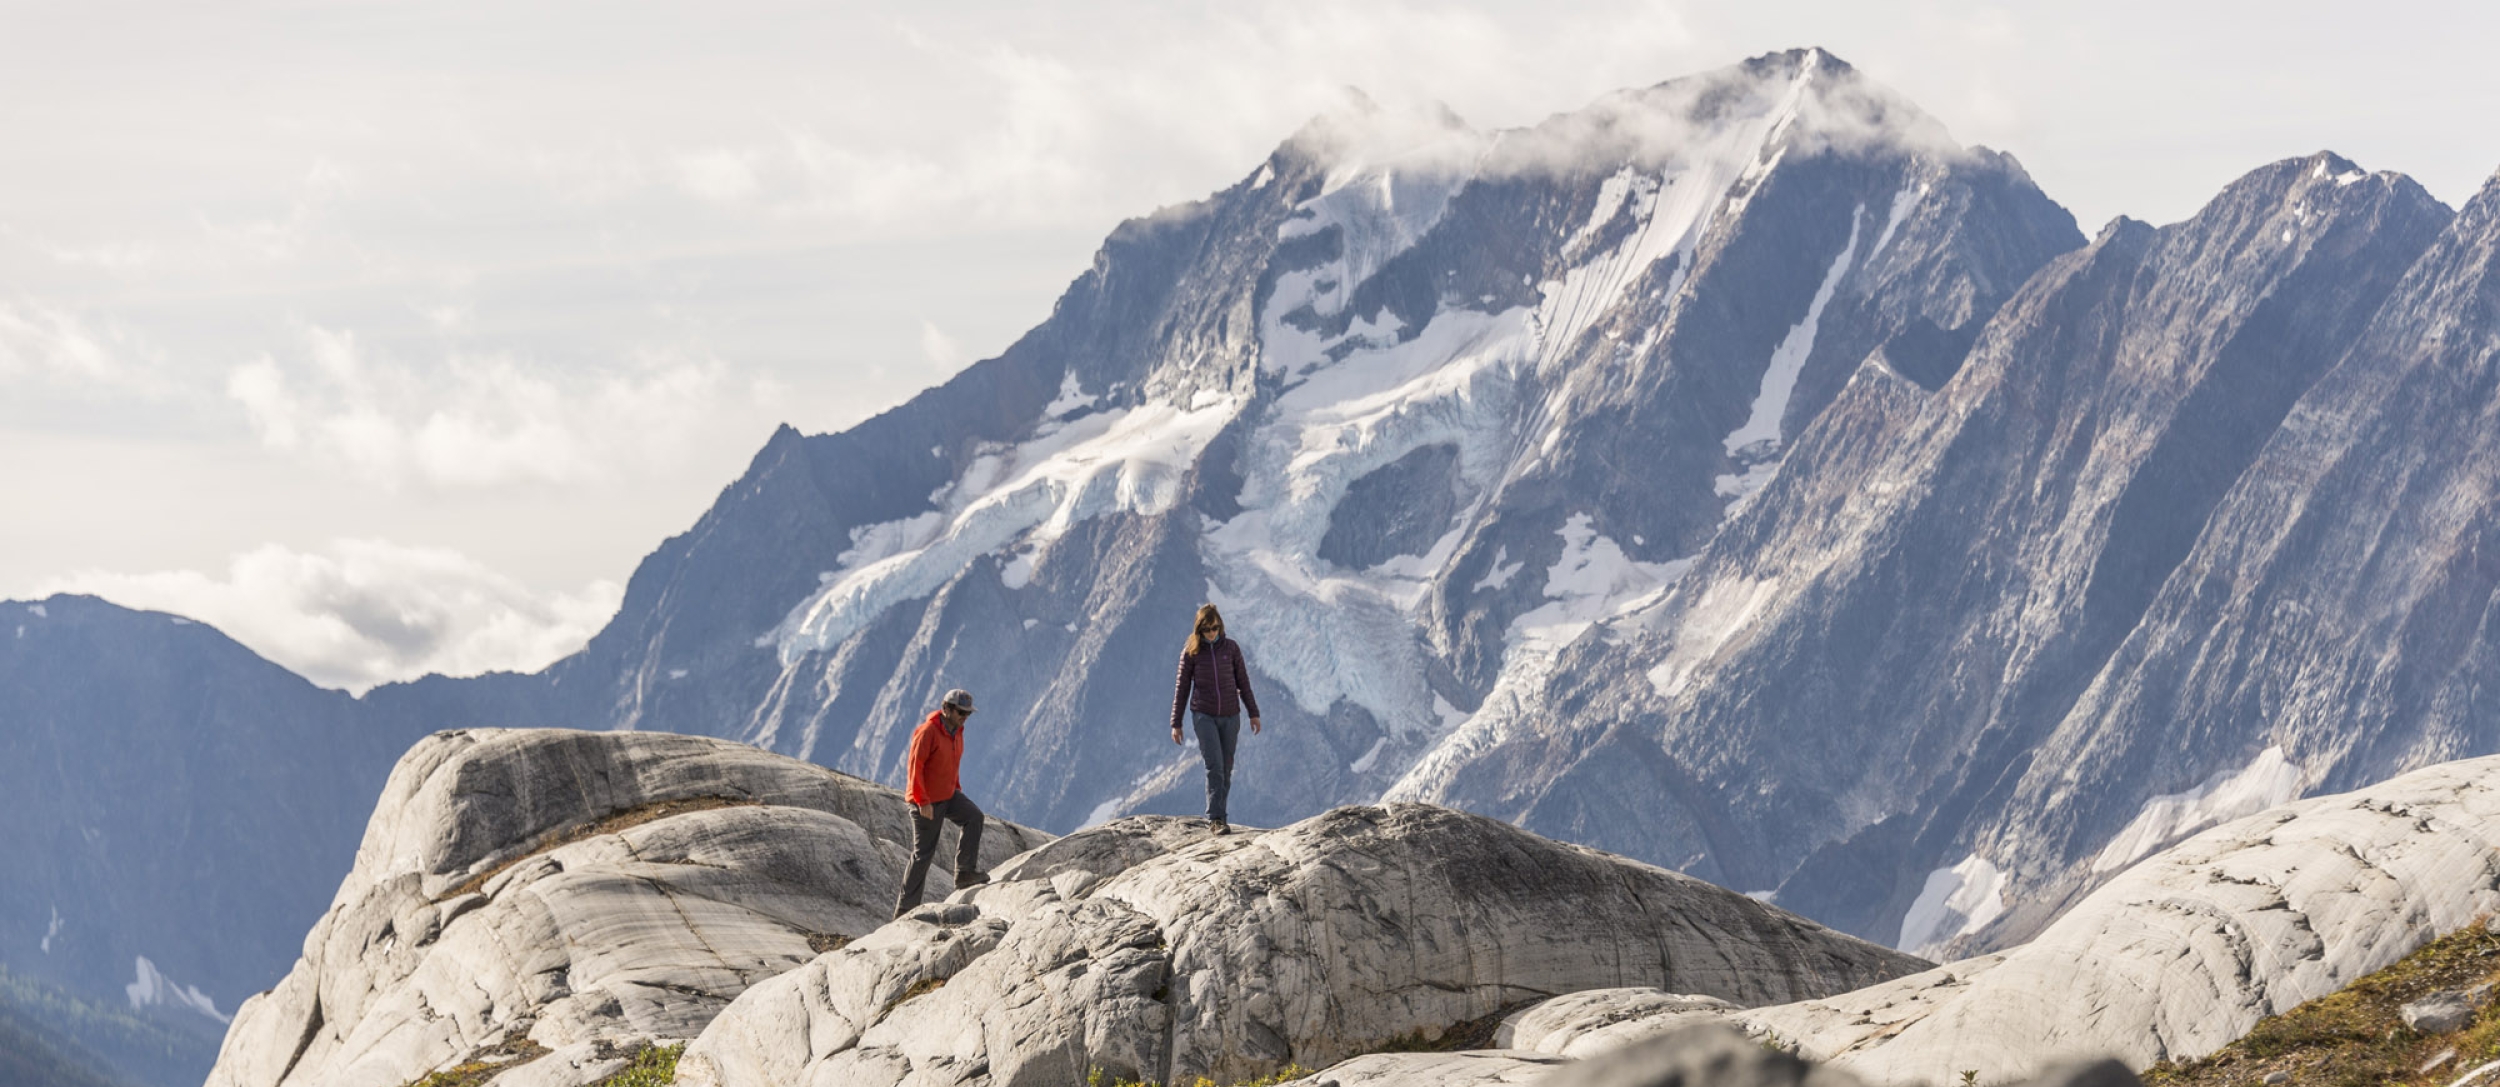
<point>1736,474</point>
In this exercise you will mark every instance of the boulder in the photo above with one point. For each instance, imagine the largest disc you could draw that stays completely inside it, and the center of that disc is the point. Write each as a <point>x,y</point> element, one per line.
<point>1596,1020</point>
<point>1144,951</point>
<point>585,893</point>
<point>2438,1013</point>
<point>1484,1068</point>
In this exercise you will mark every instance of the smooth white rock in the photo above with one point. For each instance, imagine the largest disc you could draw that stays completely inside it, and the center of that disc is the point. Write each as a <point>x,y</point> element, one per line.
<point>636,935</point>
<point>1593,1021</point>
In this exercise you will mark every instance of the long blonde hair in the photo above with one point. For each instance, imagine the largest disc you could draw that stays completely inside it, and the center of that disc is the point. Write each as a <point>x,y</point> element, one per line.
<point>1197,639</point>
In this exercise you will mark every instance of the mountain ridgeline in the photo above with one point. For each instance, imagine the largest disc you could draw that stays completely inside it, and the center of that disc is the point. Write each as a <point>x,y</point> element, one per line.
<point>1736,474</point>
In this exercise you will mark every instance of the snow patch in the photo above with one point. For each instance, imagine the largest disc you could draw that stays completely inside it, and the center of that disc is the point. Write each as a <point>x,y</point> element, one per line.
<point>1121,461</point>
<point>1956,901</point>
<point>1500,574</point>
<point>1901,204</point>
<point>1031,623</point>
<point>677,673</point>
<point>1267,173</point>
<point>1610,197</point>
<point>1725,608</point>
<point>2270,779</point>
<point>37,610</point>
<point>1740,487</point>
<point>1779,379</point>
<point>1110,809</point>
<point>1327,633</point>
<point>1593,580</point>
<point>1017,572</point>
<point>1381,200</point>
<point>152,988</point>
<point>1071,398</point>
<point>53,930</point>
<point>1364,765</point>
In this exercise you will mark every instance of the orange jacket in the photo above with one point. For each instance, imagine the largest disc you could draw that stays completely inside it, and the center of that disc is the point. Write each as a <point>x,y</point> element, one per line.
<point>936,752</point>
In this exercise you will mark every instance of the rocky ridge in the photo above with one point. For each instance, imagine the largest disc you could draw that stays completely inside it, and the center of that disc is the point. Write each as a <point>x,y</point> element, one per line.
<point>510,903</point>
<point>1229,958</point>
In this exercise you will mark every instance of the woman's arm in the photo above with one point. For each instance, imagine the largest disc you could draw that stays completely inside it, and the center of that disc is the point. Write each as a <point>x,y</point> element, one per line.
<point>1180,694</point>
<point>1241,682</point>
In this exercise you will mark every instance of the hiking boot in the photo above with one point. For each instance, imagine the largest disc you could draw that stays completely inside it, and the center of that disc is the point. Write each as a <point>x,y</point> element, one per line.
<point>971,879</point>
<point>1222,827</point>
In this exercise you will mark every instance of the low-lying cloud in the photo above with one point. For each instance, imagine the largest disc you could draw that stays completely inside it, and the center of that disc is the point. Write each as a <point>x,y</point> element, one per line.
<point>471,421</point>
<point>367,612</point>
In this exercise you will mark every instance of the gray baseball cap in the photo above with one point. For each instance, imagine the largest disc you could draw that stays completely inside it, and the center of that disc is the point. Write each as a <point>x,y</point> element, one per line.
<point>960,698</point>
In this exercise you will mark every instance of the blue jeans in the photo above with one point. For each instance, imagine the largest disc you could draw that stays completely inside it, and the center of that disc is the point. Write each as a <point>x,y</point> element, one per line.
<point>1217,737</point>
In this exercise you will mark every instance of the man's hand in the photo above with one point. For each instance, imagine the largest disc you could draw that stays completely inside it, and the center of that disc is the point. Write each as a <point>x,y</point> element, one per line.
<point>927,811</point>
<point>1176,734</point>
<point>1254,726</point>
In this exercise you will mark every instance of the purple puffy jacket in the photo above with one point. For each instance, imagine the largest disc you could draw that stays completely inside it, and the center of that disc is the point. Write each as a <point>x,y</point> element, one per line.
<point>1214,681</point>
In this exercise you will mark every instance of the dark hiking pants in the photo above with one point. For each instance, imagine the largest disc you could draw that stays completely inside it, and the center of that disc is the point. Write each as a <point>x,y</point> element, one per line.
<point>959,810</point>
<point>1217,737</point>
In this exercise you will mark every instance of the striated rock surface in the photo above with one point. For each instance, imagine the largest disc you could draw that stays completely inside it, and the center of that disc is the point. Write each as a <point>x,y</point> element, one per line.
<point>585,892</point>
<point>1141,952</point>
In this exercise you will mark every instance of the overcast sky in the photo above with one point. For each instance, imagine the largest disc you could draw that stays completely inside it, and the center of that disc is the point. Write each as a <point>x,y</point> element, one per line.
<point>389,336</point>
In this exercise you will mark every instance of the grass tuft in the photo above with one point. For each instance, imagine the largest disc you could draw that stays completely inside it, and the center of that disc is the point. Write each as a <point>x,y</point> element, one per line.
<point>652,1066</point>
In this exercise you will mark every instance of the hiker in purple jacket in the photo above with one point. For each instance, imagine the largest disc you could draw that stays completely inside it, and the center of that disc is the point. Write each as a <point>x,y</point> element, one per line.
<point>1214,685</point>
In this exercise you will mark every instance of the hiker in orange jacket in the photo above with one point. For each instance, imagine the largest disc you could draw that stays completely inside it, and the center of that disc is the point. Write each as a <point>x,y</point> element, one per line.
<point>931,787</point>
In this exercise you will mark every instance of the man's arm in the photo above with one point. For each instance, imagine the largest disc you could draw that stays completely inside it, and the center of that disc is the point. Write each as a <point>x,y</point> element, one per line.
<point>916,773</point>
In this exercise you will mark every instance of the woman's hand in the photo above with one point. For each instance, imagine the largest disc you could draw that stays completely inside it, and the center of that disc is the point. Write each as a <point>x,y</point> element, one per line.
<point>1254,726</point>
<point>1176,734</point>
<point>927,811</point>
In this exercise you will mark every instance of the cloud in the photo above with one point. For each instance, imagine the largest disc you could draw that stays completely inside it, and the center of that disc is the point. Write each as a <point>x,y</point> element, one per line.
<point>1015,125</point>
<point>474,420</point>
<point>720,176</point>
<point>368,612</point>
<point>284,237</point>
<point>39,341</point>
<point>939,348</point>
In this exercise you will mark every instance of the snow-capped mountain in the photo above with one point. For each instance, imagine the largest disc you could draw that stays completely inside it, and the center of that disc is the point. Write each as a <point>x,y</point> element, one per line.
<point>1417,404</point>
